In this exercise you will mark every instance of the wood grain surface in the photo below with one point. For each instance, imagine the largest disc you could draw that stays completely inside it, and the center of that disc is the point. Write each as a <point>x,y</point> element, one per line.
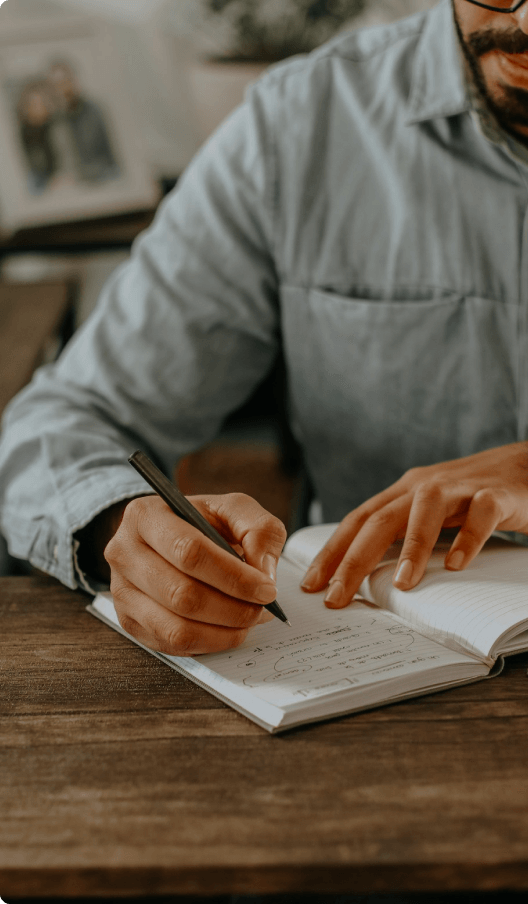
<point>120,777</point>
<point>30,316</point>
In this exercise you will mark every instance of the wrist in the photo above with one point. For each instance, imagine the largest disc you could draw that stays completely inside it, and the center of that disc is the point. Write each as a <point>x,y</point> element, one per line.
<point>93,539</point>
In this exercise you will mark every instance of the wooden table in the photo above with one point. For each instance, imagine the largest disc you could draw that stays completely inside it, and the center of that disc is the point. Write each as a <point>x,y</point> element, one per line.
<point>31,315</point>
<point>121,777</point>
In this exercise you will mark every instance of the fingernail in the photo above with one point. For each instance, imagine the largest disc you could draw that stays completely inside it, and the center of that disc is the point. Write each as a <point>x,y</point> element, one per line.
<point>266,593</point>
<point>335,594</point>
<point>455,560</point>
<point>310,578</point>
<point>269,565</point>
<point>404,574</point>
<point>265,616</point>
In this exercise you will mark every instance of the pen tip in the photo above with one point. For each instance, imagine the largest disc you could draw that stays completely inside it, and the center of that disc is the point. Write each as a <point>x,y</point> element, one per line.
<point>288,623</point>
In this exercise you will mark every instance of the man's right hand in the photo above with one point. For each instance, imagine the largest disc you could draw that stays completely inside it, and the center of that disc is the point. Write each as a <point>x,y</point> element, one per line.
<point>177,592</point>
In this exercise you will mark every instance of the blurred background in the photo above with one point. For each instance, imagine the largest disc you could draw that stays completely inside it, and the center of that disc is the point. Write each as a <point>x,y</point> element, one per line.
<point>102,105</point>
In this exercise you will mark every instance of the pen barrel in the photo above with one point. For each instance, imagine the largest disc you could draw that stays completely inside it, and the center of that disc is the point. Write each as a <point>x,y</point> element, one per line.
<point>176,501</point>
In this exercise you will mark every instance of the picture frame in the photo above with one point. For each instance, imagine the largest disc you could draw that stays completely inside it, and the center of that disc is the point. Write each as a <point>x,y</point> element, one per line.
<point>69,143</point>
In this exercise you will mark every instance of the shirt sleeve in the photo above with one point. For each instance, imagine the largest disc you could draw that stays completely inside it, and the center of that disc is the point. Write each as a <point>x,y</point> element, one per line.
<point>182,334</point>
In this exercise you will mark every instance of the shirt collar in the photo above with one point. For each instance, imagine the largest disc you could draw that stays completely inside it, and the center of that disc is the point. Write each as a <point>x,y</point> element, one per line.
<point>438,84</point>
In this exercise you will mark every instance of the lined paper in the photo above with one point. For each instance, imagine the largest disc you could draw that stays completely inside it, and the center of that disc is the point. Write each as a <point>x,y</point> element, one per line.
<point>328,662</point>
<point>326,651</point>
<point>476,608</point>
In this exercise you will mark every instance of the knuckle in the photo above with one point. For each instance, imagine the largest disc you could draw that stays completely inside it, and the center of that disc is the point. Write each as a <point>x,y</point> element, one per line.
<point>136,510</point>
<point>239,587</point>
<point>263,520</point>
<point>414,475</point>
<point>469,537</point>
<point>114,551</point>
<point>273,530</point>
<point>127,623</point>
<point>414,546</point>
<point>120,591</point>
<point>429,491</point>
<point>488,498</point>
<point>187,553</point>
<point>354,520</point>
<point>270,528</point>
<point>239,499</point>
<point>350,566</point>
<point>350,518</point>
<point>180,639</point>
<point>244,616</point>
<point>181,599</point>
<point>230,503</point>
<point>382,518</point>
<point>238,638</point>
<point>190,605</point>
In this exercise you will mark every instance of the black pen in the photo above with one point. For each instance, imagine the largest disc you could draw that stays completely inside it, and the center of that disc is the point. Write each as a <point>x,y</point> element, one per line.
<point>181,506</point>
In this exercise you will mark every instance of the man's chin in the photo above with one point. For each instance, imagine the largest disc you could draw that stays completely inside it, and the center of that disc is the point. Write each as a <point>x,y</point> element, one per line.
<point>504,82</point>
<point>510,107</point>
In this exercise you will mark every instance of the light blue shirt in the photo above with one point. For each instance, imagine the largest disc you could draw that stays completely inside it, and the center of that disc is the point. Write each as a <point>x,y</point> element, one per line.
<point>350,209</point>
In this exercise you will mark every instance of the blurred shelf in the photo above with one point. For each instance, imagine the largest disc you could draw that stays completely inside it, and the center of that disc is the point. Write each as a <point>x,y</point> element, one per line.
<point>87,235</point>
<point>100,234</point>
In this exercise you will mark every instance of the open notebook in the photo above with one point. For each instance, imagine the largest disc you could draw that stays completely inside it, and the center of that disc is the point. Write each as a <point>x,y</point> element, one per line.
<point>452,629</point>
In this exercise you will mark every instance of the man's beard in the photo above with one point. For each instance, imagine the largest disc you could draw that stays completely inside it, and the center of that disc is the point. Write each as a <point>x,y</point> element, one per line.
<point>510,107</point>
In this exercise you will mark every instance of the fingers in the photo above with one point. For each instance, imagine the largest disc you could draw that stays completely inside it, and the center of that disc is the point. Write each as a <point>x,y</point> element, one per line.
<point>326,562</point>
<point>480,493</point>
<point>159,629</point>
<point>241,520</point>
<point>175,590</point>
<point>366,551</point>
<point>488,508</point>
<point>429,509</point>
<point>187,550</point>
<point>151,574</point>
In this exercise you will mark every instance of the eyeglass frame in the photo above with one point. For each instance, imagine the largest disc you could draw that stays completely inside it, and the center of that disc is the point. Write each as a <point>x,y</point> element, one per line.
<point>498,9</point>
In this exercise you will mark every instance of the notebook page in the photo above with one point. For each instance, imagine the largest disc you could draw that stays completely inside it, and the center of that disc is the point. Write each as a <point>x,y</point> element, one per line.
<point>472,609</point>
<point>302,547</point>
<point>325,651</point>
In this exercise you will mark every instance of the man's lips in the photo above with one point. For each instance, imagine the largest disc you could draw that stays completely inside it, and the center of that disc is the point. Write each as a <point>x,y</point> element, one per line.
<point>513,67</point>
<point>516,59</point>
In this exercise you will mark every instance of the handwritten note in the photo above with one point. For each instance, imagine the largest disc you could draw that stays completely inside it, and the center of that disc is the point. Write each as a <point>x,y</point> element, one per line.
<point>325,651</point>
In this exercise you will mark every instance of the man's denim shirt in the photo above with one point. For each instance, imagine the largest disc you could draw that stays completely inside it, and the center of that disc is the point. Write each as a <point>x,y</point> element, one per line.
<point>350,209</point>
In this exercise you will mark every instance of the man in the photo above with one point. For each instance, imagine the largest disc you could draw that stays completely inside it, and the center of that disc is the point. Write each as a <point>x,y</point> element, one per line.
<point>34,111</point>
<point>86,136</point>
<point>366,207</point>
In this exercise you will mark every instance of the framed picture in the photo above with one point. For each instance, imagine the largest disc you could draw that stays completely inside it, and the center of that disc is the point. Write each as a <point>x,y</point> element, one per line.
<point>69,146</point>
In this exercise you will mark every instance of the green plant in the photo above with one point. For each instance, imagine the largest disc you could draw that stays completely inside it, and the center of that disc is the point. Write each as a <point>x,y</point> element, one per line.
<point>270,30</point>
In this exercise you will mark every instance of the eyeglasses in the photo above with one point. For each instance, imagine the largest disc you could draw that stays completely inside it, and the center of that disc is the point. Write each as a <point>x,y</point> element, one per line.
<point>501,7</point>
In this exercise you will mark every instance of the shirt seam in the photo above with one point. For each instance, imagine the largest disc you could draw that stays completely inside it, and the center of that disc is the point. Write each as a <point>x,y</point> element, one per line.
<point>447,296</point>
<point>291,69</point>
<point>271,182</point>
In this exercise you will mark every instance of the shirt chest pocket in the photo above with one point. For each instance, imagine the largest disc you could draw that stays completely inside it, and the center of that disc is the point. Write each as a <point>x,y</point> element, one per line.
<point>434,377</point>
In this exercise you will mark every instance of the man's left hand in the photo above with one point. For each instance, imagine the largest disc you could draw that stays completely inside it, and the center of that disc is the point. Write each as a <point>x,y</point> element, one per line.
<point>482,493</point>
